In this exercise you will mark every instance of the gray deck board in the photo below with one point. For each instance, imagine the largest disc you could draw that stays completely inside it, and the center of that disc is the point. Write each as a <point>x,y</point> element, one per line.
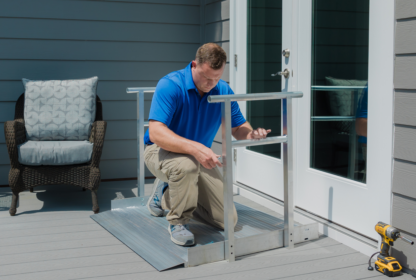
<point>51,238</point>
<point>62,254</point>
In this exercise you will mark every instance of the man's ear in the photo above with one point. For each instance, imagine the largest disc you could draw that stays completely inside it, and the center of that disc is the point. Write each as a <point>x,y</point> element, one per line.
<point>193,63</point>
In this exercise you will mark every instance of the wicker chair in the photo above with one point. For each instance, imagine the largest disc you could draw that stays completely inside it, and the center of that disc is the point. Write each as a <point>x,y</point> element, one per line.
<point>23,177</point>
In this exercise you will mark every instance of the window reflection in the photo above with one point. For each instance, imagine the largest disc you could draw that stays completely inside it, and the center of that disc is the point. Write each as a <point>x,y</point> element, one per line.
<point>339,87</point>
<point>264,42</point>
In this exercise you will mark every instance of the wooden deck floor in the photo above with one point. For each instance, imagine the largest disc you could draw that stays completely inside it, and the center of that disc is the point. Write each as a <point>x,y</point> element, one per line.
<point>53,237</point>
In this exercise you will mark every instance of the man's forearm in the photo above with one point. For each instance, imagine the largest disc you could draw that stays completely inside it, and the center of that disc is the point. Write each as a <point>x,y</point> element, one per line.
<point>242,131</point>
<point>165,138</point>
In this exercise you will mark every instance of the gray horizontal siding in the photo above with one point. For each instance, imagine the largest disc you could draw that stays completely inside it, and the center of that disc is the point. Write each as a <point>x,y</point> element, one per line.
<point>169,2</point>
<point>123,110</point>
<point>129,43</point>
<point>217,11</point>
<point>404,72</point>
<point>404,253</point>
<point>405,9</point>
<point>121,130</point>
<point>107,90</point>
<point>404,213</point>
<point>217,29</point>
<point>119,149</point>
<point>4,174</point>
<point>404,168</point>
<point>112,110</point>
<point>404,178</point>
<point>2,136</point>
<point>94,50</point>
<point>148,11</point>
<point>120,168</point>
<point>405,36</point>
<point>105,70</point>
<point>4,156</point>
<point>98,30</point>
<point>404,143</point>
<point>404,107</point>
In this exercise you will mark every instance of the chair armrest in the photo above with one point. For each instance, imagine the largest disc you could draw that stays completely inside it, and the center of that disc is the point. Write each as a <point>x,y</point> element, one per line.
<point>15,135</point>
<point>97,137</point>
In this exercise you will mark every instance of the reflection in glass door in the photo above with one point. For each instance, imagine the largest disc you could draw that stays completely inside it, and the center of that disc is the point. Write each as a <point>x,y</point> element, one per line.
<point>340,36</point>
<point>264,44</point>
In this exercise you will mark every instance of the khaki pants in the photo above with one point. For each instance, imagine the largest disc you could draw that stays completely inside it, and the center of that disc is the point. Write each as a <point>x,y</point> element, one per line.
<point>193,192</point>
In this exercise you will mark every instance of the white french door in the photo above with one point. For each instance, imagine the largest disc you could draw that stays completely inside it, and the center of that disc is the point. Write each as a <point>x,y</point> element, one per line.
<point>261,30</point>
<point>337,176</point>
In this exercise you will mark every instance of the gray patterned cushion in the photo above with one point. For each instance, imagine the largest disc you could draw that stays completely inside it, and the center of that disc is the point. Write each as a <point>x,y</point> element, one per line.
<point>59,110</point>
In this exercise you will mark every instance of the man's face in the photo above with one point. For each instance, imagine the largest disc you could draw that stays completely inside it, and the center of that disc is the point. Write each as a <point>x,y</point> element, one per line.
<point>205,78</point>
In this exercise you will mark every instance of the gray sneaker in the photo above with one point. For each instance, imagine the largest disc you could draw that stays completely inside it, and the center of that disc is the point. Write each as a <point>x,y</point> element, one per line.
<point>181,235</point>
<point>154,204</point>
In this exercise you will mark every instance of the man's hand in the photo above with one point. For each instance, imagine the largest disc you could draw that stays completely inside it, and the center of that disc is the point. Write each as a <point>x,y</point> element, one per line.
<point>207,157</point>
<point>258,133</point>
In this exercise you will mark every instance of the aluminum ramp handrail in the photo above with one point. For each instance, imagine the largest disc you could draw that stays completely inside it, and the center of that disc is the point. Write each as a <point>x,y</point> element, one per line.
<point>141,124</point>
<point>227,146</point>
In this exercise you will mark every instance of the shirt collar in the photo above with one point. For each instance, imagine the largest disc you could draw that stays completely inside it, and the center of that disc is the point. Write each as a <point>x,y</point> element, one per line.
<point>189,81</point>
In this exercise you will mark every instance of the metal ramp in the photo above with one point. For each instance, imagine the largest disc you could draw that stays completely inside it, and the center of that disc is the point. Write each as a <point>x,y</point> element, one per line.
<point>131,223</point>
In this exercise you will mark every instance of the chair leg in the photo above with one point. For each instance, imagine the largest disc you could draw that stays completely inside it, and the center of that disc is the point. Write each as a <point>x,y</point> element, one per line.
<point>95,207</point>
<point>15,198</point>
<point>31,189</point>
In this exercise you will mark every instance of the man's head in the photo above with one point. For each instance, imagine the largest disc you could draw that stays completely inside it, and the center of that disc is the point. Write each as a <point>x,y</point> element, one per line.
<point>208,66</point>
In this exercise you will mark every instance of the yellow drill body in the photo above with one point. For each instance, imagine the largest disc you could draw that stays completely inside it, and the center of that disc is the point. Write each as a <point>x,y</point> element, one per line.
<point>385,263</point>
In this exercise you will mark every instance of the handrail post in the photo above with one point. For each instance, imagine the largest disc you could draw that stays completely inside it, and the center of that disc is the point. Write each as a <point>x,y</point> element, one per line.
<point>227,181</point>
<point>140,143</point>
<point>288,173</point>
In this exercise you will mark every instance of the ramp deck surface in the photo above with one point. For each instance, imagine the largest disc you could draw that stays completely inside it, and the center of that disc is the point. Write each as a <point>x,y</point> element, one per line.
<point>131,223</point>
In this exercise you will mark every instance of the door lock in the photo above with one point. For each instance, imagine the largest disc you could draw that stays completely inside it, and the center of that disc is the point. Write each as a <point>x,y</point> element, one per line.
<point>284,73</point>
<point>286,53</point>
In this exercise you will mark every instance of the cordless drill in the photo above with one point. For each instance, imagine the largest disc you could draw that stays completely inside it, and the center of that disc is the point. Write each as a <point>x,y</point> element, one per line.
<point>385,263</point>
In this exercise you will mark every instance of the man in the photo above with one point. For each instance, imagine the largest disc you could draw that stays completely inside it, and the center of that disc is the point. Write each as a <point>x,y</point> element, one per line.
<point>182,127</point>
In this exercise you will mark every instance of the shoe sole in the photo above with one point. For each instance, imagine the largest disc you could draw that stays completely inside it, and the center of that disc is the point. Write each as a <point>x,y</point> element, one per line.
<point>187,243</point>
<point>148,203</point>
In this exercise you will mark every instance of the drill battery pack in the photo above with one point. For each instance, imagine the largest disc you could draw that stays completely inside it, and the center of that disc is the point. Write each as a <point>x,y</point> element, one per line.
<point>389,266</point>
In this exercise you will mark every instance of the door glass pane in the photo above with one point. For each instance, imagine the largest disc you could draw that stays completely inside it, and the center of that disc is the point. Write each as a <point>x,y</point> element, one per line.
<point>340,33</point>
<point>264,49</point>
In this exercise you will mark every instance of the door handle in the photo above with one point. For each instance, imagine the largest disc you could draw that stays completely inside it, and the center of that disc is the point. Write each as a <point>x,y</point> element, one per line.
<point>284,73</point>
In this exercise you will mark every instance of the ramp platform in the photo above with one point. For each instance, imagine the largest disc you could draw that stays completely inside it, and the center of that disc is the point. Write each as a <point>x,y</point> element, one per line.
<point>131,223</point>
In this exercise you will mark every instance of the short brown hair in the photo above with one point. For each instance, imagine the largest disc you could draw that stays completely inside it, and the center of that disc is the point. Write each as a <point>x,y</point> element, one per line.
<point>212,54</point>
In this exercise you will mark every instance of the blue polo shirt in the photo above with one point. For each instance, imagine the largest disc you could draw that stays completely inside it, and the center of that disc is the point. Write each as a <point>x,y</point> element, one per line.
<point>177,103</point>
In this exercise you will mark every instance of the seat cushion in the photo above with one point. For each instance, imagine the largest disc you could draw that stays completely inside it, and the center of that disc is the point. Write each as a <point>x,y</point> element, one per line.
<point>54,152</point>
<point>59,110</point>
